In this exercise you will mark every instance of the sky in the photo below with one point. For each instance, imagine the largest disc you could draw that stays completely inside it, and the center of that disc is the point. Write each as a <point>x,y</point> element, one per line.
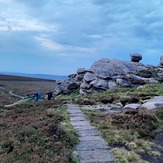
<point>59,36</point>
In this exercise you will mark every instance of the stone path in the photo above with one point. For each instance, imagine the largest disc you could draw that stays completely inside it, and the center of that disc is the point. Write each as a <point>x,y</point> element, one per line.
<point>92,147</point>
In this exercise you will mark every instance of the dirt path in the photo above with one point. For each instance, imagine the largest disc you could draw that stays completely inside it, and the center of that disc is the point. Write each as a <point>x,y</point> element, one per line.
<point>11,93</point>
<point>92,147</point>
<point>14,95</point>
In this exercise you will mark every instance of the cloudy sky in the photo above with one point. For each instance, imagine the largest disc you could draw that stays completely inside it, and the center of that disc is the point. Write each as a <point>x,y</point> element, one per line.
<point>59,36</point>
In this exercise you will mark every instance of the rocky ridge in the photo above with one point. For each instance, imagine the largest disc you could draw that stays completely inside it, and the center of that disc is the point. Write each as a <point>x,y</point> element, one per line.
<point>109,74</point>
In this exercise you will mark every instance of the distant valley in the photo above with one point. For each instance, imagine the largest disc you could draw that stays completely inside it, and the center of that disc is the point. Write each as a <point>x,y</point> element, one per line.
<point>40,76</point>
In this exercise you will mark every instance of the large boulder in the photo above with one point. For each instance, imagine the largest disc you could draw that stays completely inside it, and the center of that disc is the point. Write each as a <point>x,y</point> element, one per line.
<point>72,83</point>
<point>67,86</point>
<point>80,74</point>
<point>156,102</point>
<point>112,84</point>
<point>100,83</point>
<point>88,77</point>
<point>132,106</point>
<point>123,82</point>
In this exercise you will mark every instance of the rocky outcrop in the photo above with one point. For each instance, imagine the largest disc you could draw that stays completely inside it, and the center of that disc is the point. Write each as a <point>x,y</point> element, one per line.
<point>72,83</point>
<point>110,74</point>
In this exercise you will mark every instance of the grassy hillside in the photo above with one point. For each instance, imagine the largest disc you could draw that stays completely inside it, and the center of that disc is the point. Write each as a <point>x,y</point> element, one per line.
<point>36,132</point>
<point>30,131</point>
<point>41,132</point>
<point>135,136</point>
<point>23,86</point>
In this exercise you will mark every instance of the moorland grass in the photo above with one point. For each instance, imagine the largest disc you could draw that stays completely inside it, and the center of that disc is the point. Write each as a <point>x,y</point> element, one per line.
<point>128,135</point>
<point>36,132</point>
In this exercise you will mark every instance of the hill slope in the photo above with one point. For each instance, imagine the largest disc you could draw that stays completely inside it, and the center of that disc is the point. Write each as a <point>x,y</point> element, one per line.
<point>42,76</point>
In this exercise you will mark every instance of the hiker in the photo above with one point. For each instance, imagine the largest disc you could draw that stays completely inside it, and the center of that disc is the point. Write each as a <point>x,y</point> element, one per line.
<point>49,95</point>
<point>37,96</point>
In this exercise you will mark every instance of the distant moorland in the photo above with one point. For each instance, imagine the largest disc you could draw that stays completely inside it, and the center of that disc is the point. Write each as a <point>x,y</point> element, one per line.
<point>40,76</point>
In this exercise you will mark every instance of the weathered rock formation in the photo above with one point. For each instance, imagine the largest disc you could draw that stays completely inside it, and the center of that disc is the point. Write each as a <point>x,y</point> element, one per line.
<point>72,83</point>
<point>109,74</point>
<point>105,74</point>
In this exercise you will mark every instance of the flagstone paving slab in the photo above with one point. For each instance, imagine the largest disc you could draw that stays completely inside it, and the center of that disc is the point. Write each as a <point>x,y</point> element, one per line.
<point>79,123</point>
<point>74,118</point>
<point>88,133</point>
<point>91,145</point>
<point>96,156</point>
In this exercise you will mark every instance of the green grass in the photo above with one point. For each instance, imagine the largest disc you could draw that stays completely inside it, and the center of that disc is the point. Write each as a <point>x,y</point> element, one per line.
<point>128,131</point>
<point>39,132</point>
<point>55,139</point>
<point>141,92</point>
<point>69,97</point>
<point>118,95</point>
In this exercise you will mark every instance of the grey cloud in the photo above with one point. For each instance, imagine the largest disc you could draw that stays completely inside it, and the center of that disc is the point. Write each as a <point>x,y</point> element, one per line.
<point>116,26</point>
<point>17,43</point>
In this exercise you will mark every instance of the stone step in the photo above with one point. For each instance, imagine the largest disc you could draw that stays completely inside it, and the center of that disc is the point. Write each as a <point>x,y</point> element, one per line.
<point>92,145</point>
<point>83,128</point>
<point>74,111</point>
<point>80,118</point>
<point>80,123</point>
<point>94,156</point>
<point>90,138</point>
<point>88,133</point>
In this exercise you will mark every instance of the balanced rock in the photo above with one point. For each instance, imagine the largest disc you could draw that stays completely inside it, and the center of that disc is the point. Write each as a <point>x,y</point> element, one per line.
<point>135,57</point>
<point>80,70</point>
<point>161,60</point>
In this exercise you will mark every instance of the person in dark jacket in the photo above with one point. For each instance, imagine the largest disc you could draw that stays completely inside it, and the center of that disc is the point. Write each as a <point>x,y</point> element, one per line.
<point>49,95</point>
